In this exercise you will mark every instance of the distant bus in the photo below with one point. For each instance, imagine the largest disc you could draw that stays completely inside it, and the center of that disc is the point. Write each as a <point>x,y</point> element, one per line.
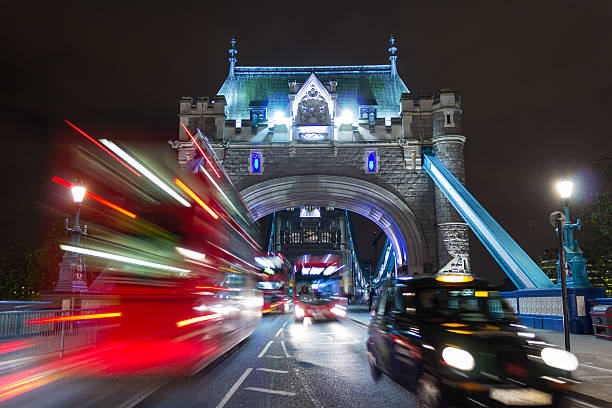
<point>275,283</point>
<point>317,290</point>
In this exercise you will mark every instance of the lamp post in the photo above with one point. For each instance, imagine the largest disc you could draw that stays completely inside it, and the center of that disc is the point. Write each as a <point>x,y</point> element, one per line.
<point>72,273</point>
<point>564,188</point>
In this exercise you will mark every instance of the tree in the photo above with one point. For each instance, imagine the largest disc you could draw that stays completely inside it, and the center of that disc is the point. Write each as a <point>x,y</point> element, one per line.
<point>30,267</point>
<point>595,239</point>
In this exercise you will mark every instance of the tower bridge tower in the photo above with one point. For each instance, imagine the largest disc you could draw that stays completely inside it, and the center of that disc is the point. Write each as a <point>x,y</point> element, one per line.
<point>344,137</point>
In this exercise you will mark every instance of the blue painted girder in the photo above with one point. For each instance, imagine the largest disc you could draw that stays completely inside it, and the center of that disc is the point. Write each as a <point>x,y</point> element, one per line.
<point>519,267</point>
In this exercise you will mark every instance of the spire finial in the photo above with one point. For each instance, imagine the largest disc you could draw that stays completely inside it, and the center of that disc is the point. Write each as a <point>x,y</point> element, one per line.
<point>393,57</point>
<point>232,58</point>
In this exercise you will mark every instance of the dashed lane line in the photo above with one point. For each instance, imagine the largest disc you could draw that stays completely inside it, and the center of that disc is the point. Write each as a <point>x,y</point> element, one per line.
<point>265,349</point>
<point>268,391</point>
<point>270,370</point>
<point>235,387</point>
<point>284,324</point>
<point>284,348</point>
<point>278,332</point>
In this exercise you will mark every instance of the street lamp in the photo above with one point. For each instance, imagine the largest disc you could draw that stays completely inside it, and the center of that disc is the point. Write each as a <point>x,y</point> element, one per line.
<point>564,188</point>
<point>72,268</point>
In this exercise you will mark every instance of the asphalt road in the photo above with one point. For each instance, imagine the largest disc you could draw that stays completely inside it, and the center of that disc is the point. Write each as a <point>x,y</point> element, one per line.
<point>282,364</point>
<point>287,364</point>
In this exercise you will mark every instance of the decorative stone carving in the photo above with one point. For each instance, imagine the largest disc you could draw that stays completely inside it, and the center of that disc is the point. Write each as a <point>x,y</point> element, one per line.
<point>313,109</point>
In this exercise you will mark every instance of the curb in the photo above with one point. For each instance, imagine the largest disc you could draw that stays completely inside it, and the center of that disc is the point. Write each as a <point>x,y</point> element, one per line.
<point>357,321</point>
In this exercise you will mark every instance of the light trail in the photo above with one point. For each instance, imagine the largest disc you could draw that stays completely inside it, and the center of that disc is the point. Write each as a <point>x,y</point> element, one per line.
<point>120,258</point>
<point>71,318</point>
<point>97,198</point>
<point>94,141</point>
<point>197,319</point>
<point>201,150</point>
<point>196,198</point>
<point>145,172</point>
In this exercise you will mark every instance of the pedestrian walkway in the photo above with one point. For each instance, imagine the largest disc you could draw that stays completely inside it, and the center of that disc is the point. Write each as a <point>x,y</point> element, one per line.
<point>594,355</point>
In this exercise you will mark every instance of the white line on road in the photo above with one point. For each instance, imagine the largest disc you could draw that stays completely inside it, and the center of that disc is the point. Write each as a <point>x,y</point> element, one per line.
<point>270,391</point>
<point>598,368</point>
<point>278,332</point>
<point>274,356</point>
<point>234,387</point>
<point>284,348</point>
<point>269,370</point>
<point>265,349</point>
<point>284,324</point>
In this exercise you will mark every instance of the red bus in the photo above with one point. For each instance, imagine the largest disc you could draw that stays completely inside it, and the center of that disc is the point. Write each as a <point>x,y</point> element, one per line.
<point>275,283</point>
<point>317,290</point>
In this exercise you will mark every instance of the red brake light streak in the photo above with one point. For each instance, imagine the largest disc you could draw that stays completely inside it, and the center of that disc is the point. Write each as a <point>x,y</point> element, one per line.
<point>94,141</point>
<point>197,145</point>
<point>212,288</point>
<point>71,318</point>
<point>98,198</point>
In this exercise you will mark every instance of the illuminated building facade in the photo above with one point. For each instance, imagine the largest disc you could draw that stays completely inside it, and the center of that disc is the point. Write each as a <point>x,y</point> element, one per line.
<point>344,137</point>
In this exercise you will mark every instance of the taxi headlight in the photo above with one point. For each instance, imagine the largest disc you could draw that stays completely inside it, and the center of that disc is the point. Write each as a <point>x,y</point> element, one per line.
<point>561,359</point>
<point>458,358</point>
<point>299,312</point>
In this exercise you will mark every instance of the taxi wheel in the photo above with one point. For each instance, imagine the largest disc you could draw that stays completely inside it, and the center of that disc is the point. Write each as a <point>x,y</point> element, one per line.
<point>428,391</point>
<point>374,370</point>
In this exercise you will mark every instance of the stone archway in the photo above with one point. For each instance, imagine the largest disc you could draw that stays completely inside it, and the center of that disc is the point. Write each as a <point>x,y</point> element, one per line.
<point>368,199</point>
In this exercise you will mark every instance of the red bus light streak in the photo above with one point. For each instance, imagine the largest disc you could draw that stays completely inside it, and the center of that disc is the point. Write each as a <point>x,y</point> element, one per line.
<point>212,288</point>
<point>71,318</point>
<point>98,198</point>
<point>200,149</point>
<point>197,319</point>
<point>196,198</point>
<point>94,141</point>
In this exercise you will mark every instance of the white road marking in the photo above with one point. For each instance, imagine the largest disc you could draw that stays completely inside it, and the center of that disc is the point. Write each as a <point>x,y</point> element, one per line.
<point>314,401</point>
<point>234,387</point>
<point>598,368</point>
<point>274,356</point>
<point>284,348</point>
<point>269,370</point>
<point>270,391</point>
<point>265,349</point>
<point>278,332</point>
<point>284,324</point>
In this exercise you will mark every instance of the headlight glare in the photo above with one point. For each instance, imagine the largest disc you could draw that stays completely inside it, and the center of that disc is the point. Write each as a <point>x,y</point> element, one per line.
<point>299,312</point>
<point>561,359</point>
<point>458,358</point>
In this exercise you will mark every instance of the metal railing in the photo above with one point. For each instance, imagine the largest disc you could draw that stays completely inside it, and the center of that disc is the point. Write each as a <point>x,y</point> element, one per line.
<point>36,333</point>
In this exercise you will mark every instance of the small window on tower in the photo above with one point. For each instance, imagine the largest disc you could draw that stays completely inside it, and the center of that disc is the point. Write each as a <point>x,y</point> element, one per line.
<point>448,119</point>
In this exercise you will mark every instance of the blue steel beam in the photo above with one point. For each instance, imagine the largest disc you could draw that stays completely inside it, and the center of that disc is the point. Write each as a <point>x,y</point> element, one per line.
<point>519,267</point>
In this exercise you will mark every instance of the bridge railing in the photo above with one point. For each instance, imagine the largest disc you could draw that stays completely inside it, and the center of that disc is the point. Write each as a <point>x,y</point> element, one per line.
<point>37,333</point>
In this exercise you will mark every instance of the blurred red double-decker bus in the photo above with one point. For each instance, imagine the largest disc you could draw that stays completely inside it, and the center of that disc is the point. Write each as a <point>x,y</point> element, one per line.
<point>168,257</point>
<point>317,289</point>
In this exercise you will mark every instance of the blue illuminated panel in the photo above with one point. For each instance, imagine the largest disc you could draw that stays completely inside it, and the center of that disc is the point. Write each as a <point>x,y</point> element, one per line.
<point>371,162</point>
<point>255,162</point>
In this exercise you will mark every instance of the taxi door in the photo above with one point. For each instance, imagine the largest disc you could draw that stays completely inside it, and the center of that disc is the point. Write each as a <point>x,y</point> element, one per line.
<point>405,336</point>
<point>379,332</point>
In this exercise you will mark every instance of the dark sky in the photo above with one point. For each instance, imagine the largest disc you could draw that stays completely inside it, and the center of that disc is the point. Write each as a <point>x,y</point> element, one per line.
<point>535,77</point>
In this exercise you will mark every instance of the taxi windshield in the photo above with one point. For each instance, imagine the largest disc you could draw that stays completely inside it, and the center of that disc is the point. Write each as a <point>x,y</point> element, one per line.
<point>464,304</point>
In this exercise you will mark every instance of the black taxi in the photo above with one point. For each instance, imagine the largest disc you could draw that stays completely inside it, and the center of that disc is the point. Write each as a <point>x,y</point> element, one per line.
<point>453,341</point>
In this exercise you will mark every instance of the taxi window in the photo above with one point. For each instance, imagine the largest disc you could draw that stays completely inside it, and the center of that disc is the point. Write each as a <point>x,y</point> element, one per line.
<point>390,303</point>
<point>382,301</point>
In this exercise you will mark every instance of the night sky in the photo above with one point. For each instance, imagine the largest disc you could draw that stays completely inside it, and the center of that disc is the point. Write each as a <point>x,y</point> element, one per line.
<point>535,78</point>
